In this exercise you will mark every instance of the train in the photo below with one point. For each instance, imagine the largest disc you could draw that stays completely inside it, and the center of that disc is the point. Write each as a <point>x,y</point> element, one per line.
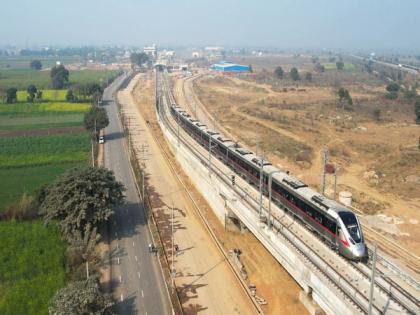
<point>335,224</point>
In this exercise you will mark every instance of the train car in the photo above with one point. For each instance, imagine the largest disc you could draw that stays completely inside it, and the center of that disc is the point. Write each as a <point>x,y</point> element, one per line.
<point>332,222</point>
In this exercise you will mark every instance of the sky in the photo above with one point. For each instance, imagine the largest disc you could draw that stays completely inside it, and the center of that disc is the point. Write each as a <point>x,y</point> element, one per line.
<point>369,25</point>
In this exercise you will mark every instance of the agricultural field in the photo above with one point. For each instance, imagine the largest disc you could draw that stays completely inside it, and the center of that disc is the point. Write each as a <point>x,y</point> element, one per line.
<point>22,62</point>
<point>333,66</point>
<point>32,266</point>
<point>10,123</point>
<point>375,144</point>
<point>47,95</point>
<point>22,78</point>
<point>27,163</point>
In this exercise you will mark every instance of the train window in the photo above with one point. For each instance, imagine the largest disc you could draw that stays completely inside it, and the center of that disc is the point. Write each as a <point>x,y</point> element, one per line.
<point>350,222</point>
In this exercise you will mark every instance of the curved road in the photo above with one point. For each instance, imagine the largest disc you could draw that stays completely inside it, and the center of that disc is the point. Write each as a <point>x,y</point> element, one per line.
<point>136,279</point>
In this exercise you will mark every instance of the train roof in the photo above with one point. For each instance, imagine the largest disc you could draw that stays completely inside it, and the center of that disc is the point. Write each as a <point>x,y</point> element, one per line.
<point>293,183</point>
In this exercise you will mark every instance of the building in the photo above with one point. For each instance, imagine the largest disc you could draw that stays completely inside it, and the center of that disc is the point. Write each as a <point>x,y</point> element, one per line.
<point>150,50</point>
<point>228,67</point>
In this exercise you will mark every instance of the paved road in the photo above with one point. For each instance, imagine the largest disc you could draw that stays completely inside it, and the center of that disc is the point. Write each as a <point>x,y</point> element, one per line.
<point>137,281</point>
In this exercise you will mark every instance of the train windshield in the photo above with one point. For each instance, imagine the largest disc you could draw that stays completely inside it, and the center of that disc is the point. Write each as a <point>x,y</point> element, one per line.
<point>350,222</point>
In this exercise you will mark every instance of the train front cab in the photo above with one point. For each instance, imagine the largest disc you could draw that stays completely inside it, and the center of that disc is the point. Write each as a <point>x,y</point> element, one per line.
<point>350,239</point>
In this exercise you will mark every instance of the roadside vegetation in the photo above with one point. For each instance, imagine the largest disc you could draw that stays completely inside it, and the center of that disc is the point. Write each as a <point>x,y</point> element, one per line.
<point>42,140</point>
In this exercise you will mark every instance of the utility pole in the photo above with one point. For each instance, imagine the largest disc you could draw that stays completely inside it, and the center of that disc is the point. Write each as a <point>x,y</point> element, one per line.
<point>335,182</point>
<point>372,279</point>
<point>324,163</point>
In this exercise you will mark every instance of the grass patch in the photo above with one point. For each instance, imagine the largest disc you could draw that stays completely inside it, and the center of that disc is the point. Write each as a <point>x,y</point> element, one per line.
<point>41,150</point>
<point>15,182</point>
<point>38,122</point>
<point>31,266</point>
<point>28,109</point>
<point>47,95</point>
<point>333,66</point>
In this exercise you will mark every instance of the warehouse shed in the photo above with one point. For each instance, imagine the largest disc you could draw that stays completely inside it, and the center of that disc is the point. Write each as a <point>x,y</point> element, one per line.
<point>226,67</point>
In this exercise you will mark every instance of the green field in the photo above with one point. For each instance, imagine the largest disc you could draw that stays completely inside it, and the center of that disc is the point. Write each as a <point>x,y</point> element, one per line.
<point>42,109</point>
<point>333,66</point>
<point>42,150</point>
<point>22,62</point>
<point>14,182</point>
<point>22,78</point>
<point>40,122</point>
<point>47,95</point>
<point>31,267</point>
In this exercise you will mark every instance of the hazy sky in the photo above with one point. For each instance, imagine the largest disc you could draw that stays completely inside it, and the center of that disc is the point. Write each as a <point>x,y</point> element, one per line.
<point>336,24</point>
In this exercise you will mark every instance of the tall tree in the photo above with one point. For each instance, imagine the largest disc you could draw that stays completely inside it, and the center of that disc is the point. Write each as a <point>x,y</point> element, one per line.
<point>340,65</point>
<point>96,119</point>
<point>35,64</point>
<point>344,95</point>
<point>294,74</point>
<point>31,92</point>
<point>59,77</point>
<point>139,59</point>
<point>81,298</point>
<point>81,199</point>
<point>279,72</point>
<point>308,76</point>
<point>11,95</point>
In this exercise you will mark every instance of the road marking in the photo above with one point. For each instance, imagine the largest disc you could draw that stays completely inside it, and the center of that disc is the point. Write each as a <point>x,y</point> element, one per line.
<point>138,274</point>
<point>116,234</point>
<point>133,244</point>
<point>135,257</point>
<point>118,260</point>
<point>122,297</point>
<point>142,294</point>
<point>118,246</point>
<point>120,279</point>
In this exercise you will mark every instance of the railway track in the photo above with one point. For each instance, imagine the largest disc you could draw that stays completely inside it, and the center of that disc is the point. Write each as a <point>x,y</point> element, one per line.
<point>395,293</point>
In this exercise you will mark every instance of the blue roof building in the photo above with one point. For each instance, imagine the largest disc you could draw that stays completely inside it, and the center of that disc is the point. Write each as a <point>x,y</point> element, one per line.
<point>224,66</point>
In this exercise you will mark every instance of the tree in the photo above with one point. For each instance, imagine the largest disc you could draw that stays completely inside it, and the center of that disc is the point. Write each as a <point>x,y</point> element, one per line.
<point>344,95</point>
<point>294,74</point>
<point>340,65</point>
<point>39,95</point>
<point>139,58</point>
<point>308,76</point>
<point>59,77</point>
<point>315,59</point>
<point>81,200</point>
<point>35,64</point>
<point>70,96</point>
<point>279,72</point>
<point>11,95</point>
<point>96,119</point>
<point>250,68</point>
<point>81,298</point>
<point>417,109</point>
<point>393,87</point>
<point>31,92</point>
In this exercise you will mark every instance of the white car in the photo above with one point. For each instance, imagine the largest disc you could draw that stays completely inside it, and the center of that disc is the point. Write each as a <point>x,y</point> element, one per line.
<point>101,139</point>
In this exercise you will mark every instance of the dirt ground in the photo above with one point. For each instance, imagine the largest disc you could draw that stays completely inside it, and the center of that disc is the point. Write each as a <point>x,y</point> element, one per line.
<point>273,283</point>
<point>378,161</point>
